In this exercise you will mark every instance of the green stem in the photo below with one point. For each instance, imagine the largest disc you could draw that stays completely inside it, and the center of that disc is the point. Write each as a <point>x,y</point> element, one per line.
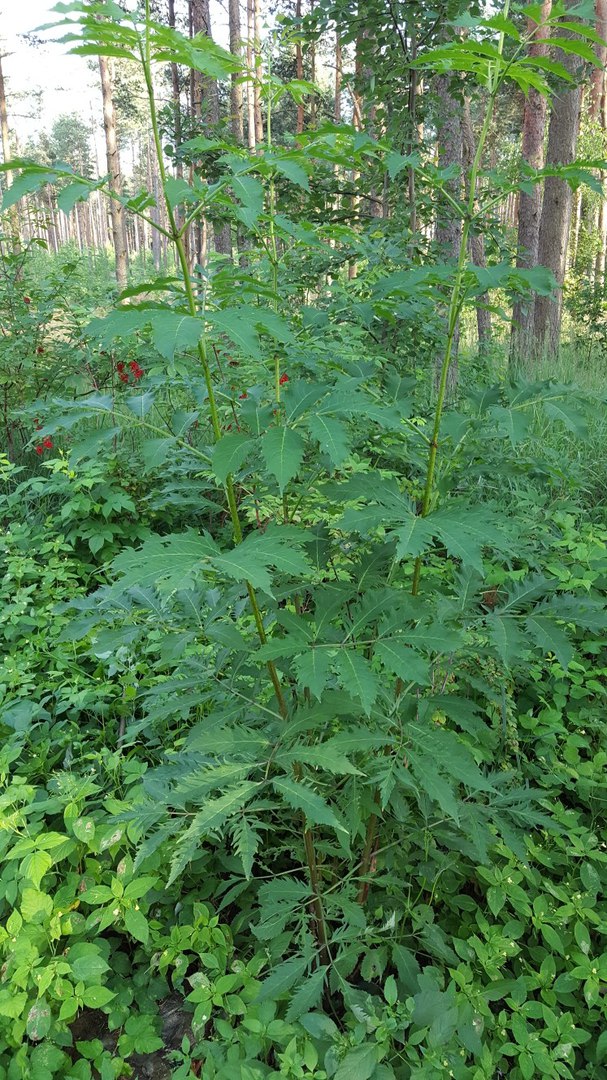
<point>177,239</point>
<point>457,295</point>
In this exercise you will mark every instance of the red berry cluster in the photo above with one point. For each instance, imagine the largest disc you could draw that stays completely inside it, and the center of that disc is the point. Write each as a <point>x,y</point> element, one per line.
<point>283,379</point>
<point>47,442</point>
<point>123,374</point>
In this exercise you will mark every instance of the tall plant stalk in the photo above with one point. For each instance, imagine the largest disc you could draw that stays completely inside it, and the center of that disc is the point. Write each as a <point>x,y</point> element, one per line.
<point>456,300</point>
<point>177,237</point>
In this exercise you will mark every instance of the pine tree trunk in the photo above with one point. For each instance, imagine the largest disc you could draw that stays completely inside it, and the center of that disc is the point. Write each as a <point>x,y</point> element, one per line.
<point>113,167</point>
<point>299,71</point>
<point>236,100</point>
<point>258,72</point>
<point>448,232</point>
<point>530,205</point>
<point>338,79</point>
<point>556,209</point>
<point>252,76</point>
<point>477,243</point>
<point>13,215</point>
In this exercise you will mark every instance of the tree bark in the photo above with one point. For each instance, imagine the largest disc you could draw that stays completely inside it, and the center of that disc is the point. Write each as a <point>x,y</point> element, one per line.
<point>299,126</point>
<point>448,232</point>
<point>556,209</point>
<point>252,76</point>
<point>236,100</point>
<point>530,206</point>
<point>258,72</point>
<point>205,98</point>
<point>338,78</point>
<point>13,215</point>
<point>113,167</point>
<point>477,243</point>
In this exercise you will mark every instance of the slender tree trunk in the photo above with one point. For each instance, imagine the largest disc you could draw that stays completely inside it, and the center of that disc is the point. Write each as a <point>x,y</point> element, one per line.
<point>205,98</point>
<point>252,75</point>
<point>338,78</point>
<point>258,71</point>
<point>236,101</point>
<point>448,231</point>
<point>13,215</point>
<point>299,71</point>
<point>477,243</point>
<point>530,205</point>
<point>113,166</point>
<point>556,208</point>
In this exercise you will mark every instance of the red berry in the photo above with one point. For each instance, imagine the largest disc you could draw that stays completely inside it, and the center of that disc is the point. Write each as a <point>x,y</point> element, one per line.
<point>123,377</point>
<point>120,366</point>
<point>48,442</point>
<point>27,299</point>
<point>137,373</point>
<point>283,379</point>
<point>38,449</point>
<point>243,395</point>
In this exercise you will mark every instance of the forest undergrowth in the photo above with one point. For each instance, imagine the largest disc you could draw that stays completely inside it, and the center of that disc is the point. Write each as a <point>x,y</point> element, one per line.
<point>303,668</point>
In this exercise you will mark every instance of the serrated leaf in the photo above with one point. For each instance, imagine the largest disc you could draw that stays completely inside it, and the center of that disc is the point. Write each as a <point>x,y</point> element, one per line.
<point>229,454</point>
<point>357,677</point>
<point>507,639</point>
<point>413,537</point>
<point>239,328</point>
<point>283,977</point>
<point>249,193</point>
<point>549,637</point>
<point>434,784</point>
<point>307,996</point>
<point>246,843</point>
<point>278,547</point>
<point>402,661</point>
<point>283,451</point>
<point>332,436</point>
<point>312,669</point>
<point>215,813</point>
<point>324,756</point>
<point>313,806</point>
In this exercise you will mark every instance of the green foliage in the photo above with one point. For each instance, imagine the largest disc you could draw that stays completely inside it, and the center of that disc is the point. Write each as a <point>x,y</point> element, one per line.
<point>303,670</point>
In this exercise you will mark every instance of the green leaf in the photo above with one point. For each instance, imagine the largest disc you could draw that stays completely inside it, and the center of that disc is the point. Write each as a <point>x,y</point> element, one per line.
<point>156,451</point>
<point>35,865</point>
<point>434,784</point>
<point>283,451</point>
<point>168,562</point>
<point>312,670</point>
<point>236,324</point>
<point>549,637</point>
<point>88,967</point>
<point>173,332</point>
<point>402,661</point>
<point>465,531</point>
<point>216,812</point>
<point>278,547</point>
<point>357,677</point>
<point>229,454</point>
<point>283,977</point>
<point>199,52</point>
<point>137,925</point>
<point>413,537</point>
<point>73,193</point>
<point>507,639</point>
<point>96,997</point>
<point>307,996</point>
<point>301,797</point>
<point>246,843</point>
<point>292,170</point>
<point>332,435</point>
<point>38,1023</point>
<point>359,1064</point>
<point>249,192</point>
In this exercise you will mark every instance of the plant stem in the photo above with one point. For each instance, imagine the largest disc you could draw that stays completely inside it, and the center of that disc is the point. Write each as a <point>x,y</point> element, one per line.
<point>455,305</point>
<point>177,239</point>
